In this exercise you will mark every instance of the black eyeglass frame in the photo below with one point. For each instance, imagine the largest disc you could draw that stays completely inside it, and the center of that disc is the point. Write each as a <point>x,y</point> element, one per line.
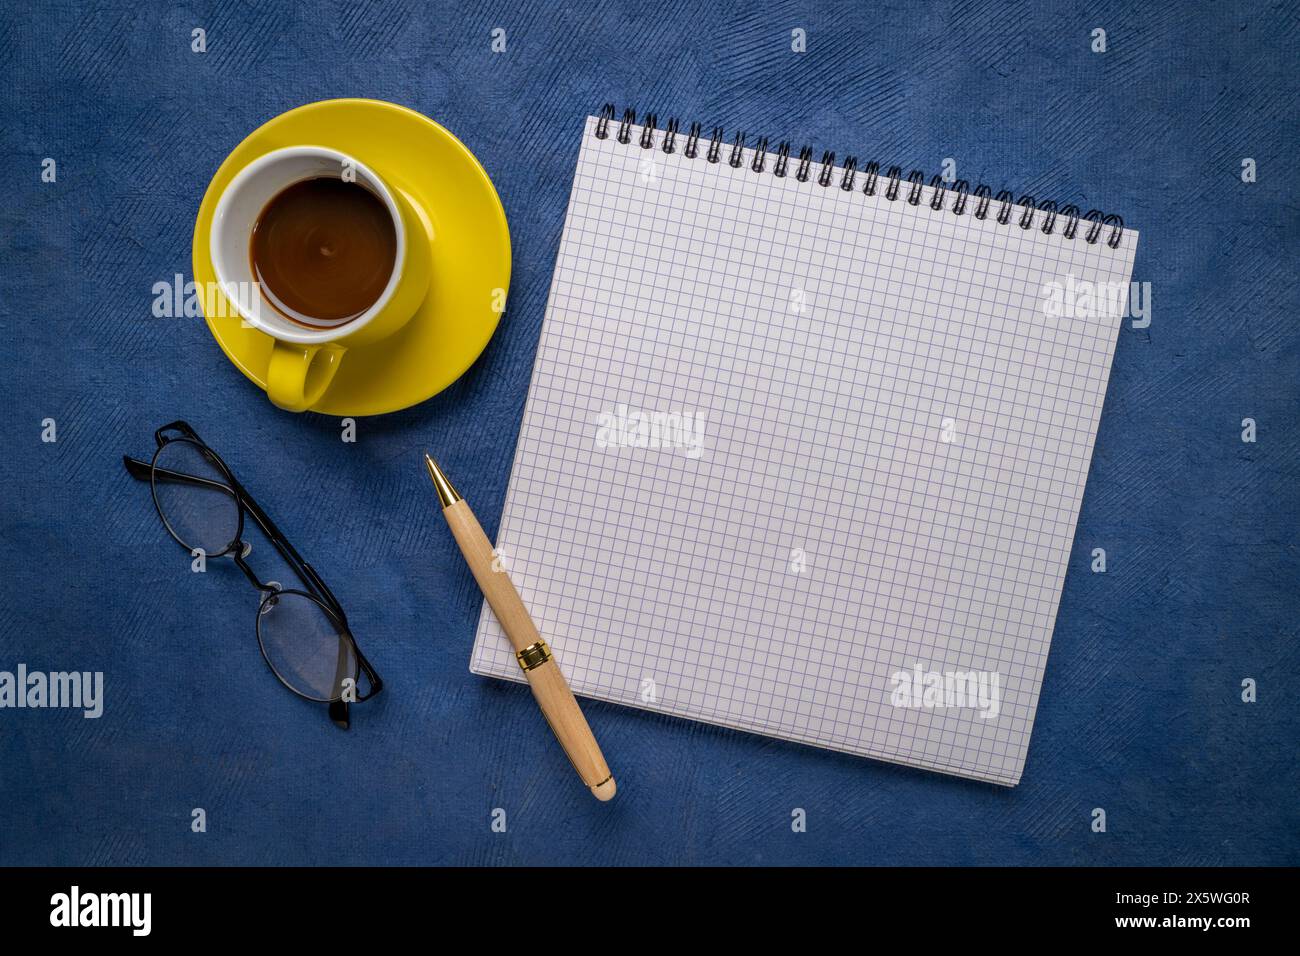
<point>317,590</point>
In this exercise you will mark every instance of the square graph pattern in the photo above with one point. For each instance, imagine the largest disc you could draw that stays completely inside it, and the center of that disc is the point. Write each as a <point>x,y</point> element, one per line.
<point>806,462</point>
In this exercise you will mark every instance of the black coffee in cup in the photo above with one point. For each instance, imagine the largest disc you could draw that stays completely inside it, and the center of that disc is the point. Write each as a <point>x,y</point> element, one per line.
<point>323,251</point>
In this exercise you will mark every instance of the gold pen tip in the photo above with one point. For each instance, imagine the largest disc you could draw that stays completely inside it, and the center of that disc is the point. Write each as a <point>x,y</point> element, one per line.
<point>447,493</point>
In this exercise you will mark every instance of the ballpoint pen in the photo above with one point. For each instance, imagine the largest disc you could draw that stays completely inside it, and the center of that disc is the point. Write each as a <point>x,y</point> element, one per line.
<point>533,654</point>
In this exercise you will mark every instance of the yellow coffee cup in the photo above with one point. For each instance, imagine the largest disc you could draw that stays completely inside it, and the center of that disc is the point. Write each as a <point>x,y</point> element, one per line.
<point>307,355</point>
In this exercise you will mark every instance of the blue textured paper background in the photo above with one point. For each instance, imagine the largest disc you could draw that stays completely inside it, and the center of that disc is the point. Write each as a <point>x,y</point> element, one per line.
<point>1141,712</point>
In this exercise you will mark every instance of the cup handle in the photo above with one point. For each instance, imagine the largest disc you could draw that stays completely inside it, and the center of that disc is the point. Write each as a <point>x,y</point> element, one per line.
<point>300,374</point>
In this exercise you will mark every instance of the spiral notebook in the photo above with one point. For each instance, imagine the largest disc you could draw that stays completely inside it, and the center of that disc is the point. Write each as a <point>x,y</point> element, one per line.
<point>806,442</point>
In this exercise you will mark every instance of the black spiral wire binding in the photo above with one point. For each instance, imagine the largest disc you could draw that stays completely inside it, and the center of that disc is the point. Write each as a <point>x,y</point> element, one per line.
<point>1046,213</point>
<point>782,160</point>
<point>805,160</point>
<point>648,131</point>
<point>937,187</point>
<point>715,144</point>
<point>737,151</point>
<point>850,172</point>
<point>670,136</point>
<point>872,171</point>
<point>894,175</point>
<point>1007,198</point>
<point>962,188</point>
<point>828,167</point>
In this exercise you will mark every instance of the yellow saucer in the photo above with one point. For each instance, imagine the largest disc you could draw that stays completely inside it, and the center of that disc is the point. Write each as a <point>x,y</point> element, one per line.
<point>469,243</point>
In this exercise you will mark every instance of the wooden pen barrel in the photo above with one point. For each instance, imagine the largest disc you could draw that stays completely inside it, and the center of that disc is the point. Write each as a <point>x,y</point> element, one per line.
<point>557,702</point>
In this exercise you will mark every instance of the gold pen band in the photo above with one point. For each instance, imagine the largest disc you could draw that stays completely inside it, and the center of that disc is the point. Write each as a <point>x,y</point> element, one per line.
<point>534,655</point>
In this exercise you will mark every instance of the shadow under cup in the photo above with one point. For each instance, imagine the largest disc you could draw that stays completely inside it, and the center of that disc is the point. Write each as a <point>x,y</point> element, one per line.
<point>298,204</point>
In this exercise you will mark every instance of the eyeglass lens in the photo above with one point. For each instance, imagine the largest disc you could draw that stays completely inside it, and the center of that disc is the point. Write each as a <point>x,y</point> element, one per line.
<point>306,645</point>
<point>200,509</point>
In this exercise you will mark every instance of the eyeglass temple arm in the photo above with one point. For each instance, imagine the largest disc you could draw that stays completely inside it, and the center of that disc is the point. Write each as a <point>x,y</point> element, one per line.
<point>376,683</point>
<point>340,714</point>
<point>287,550</point>
<point>141,471</point>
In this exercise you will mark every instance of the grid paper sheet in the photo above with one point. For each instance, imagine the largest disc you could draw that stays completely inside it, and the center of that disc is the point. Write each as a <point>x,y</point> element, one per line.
<point>807,462</point>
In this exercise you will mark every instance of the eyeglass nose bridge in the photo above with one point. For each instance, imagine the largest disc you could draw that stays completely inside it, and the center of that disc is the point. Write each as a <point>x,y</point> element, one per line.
<point>240,550</point>
<point>272,589</point>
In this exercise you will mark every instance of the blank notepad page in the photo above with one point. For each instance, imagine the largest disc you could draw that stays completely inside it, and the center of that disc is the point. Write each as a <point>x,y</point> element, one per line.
<point>804,461</point>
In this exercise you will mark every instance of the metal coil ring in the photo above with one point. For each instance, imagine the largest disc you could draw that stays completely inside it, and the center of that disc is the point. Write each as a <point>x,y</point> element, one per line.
<point>936,185</point>
<point>737,151</point>
<point>648,131</point>
<point>872,171</point>
<point>828,167</point>
<point>917,179</point>
<point>1027,217</point>
<point>692,142</point>
<point>962,189</point>
<point>782,159</point>
<point>850,171</point>
<point>1008,200</point>
<point>894,175</point>
<point>985,196</point>
<point>1093,216</point>
<point>624,128</point>
<point>1117,229</point>
<point>760,155</point>
<point>602,124</point>
<point>1071,214</point>
<point>715,144</point>
<point>805,161</point>
<point>670,135</point>
<point>1048,208</point>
